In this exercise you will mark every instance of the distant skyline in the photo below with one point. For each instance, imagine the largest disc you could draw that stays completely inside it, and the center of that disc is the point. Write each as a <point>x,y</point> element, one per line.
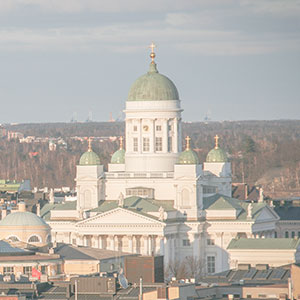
<point>231,59</point>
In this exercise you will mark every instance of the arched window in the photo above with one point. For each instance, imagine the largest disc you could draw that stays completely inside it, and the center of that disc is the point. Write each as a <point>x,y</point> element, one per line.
<point>34,239</point>
<point>13,238</point>
<point>185,198</point>
<point>87,199</point>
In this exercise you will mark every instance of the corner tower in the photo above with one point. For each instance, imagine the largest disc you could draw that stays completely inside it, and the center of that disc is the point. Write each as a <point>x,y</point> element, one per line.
<point>153,123</point>
<point>89,175</point>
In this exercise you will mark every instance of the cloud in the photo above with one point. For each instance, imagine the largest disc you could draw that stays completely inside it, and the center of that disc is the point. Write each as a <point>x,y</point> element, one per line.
<point>105,6</point>
<point>274,7</point>
<point>128,38</point>
<point>210,27</point>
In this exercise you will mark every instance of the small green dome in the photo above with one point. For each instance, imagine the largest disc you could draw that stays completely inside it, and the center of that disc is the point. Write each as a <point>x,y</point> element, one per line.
<point>118,157</point>
<point>216,155</point>
<point>89,158</point>
<point>188,157</point>
<point>153,86</point>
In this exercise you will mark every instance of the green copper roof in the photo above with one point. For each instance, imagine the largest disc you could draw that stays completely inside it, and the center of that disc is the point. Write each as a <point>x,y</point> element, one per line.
<point>89,158</point>
<point>216,155</point>
<point>188,157</point>
<point>118,157</point>
<point>221,202</point>
<point>152,87</point>
<point>22,219</point>
<point>268,243</point>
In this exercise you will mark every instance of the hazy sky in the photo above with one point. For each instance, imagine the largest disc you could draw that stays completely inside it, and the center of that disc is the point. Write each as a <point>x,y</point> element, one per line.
<point>233,59</point>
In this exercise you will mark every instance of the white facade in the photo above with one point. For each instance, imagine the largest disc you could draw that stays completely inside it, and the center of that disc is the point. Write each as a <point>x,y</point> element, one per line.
<point>151,204</point>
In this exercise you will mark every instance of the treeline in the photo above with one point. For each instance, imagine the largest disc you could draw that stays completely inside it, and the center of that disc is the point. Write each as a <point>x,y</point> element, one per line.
<point>264,152</point>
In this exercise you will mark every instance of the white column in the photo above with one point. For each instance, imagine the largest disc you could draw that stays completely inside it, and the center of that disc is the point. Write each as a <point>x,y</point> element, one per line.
<point>175,148</point>
<point>166,251</point>
<point>165,135</point>
<point>196,250</point>
<point>152,136</point>
<point>149,245</point>
<point>140,145</point>
<point>100,242</point>
<point>145,245</point>
<point>96,241</point>
<point>161,245</point>
<point>130,243</point>
<point>85,240</point>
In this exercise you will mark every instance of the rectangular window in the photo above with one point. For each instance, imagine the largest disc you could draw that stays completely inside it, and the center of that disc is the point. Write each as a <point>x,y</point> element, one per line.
<point>186,243</point>
<point>146,144</point>
<point>293,234</point>
<point>286,234</point>
<point>211,264</point>
<point>27,270</point>
<point>298,234</point>
<point>8,270</point>
<point>134,128</point>
<point>158,144</point>
<point>44,270</point>
<point>135,144</point>
<point>275,235</point>
<point>158,127</point>
<point>210,242</point>
<point>170,144</point>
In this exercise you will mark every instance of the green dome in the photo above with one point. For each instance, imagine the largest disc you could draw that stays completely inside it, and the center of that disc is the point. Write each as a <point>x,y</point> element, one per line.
<point>216,155</point>
<point>153,86</point>
<point>89,158</point>
<point>118,157</point>
<point>188,157</point>
<point>22,219</point>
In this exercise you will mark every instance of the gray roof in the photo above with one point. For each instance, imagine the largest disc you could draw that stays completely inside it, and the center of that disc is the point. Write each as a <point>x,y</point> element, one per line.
<point>267,243</point>
<point>6,248</point>
<point>250,276</point>
<point>288,213</point>
<point>69,252</point>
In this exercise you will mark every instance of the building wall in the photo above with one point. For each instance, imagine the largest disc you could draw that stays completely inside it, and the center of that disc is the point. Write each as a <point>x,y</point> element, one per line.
<point>272,257</point>
<point>266,292</point>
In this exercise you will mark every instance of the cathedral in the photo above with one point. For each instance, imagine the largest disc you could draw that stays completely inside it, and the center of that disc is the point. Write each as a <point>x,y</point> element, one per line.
<point>155,197</point>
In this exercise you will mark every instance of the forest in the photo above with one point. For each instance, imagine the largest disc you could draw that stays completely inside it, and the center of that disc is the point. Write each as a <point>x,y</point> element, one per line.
<point>264,153</point>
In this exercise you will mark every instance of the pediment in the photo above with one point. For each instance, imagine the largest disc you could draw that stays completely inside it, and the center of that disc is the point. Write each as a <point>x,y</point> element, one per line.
<point>267,214</point>
<point>119,216</point>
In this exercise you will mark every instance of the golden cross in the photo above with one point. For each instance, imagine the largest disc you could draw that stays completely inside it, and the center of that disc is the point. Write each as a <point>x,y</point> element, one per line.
<point>90,144</point>
<point>187,143</point>
<point>121,142</point>
<point>216,141</point>
<point>152,54</point>
<point>152,46</point>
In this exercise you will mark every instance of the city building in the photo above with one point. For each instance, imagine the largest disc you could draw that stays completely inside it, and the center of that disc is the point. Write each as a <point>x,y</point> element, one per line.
<point>157,198</point>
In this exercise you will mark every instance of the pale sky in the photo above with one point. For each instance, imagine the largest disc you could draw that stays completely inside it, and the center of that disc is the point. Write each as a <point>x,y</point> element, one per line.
<point>233,59</point>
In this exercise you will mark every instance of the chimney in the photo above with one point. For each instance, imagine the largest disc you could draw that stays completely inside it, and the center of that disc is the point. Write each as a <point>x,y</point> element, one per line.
<point>246,191</point>
<point>38,209</point>
<point>3,213</point>
<point>22,206</point>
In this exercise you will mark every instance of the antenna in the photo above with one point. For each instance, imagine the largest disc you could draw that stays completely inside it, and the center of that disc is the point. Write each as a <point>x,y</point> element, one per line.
<point>122,280</point>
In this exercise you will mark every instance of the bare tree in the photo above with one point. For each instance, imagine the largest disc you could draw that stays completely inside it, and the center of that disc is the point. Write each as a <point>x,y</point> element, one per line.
<point>177,269</point>
<point>195,267</point>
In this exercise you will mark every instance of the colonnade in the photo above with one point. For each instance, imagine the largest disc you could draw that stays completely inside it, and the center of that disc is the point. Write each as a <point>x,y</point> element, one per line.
<point>140,244</point>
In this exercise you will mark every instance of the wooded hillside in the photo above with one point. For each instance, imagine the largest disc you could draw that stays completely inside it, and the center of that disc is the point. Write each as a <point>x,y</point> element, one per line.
<point>262,152</point>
